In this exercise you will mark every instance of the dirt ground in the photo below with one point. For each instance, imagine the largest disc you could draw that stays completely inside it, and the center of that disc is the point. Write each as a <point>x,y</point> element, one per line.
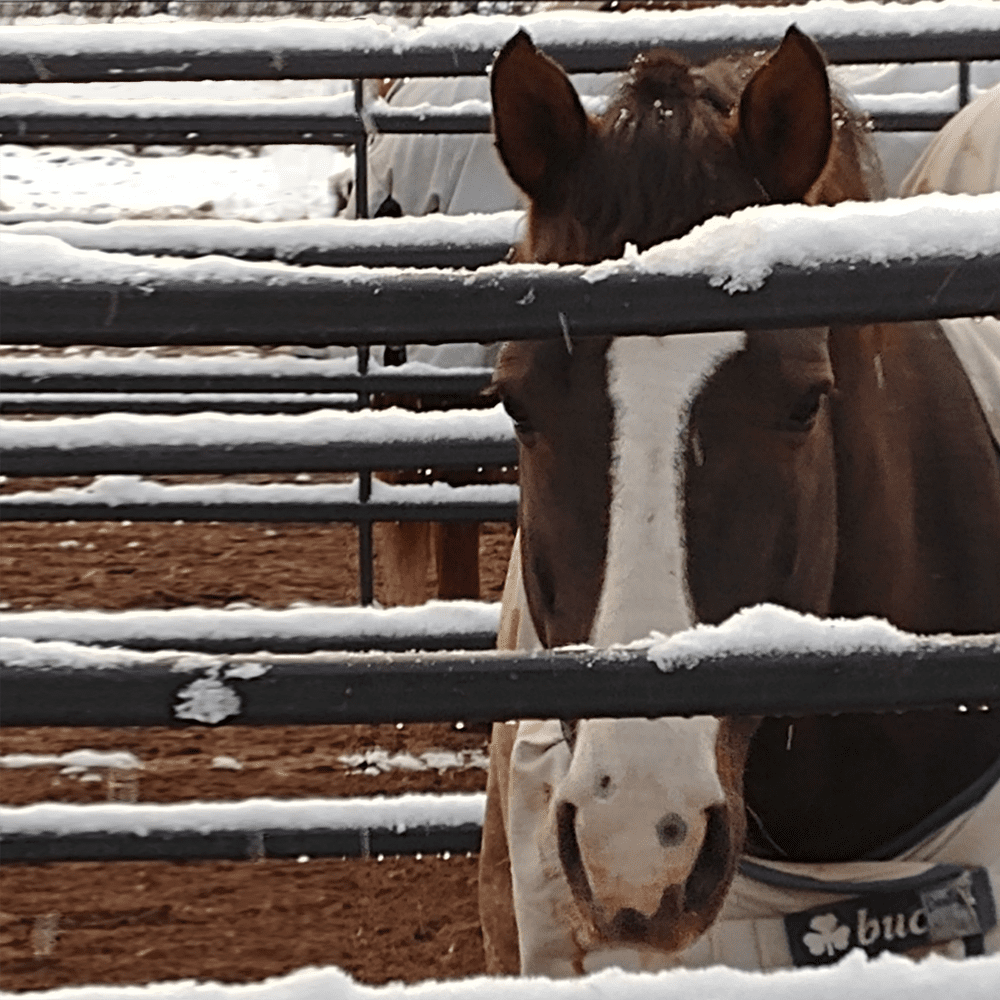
<point>81,923</point>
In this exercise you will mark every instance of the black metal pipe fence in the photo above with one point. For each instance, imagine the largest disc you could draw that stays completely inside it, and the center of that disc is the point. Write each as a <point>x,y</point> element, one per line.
<point>438,306</point>
<point>519,303</point>
<point>421,53</point>
<point>492,687</point>
<point>445,687</point>
<point>956,674</point>
<point>43,128</point>
<point>442,382</point>
<point>253,844</point>
<point>410,54</point>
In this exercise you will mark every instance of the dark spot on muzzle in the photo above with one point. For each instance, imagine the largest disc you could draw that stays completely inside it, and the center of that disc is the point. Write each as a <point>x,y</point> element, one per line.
<point>671,831</point>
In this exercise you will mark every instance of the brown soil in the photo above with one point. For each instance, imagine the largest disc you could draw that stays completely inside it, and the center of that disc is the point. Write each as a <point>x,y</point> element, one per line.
<point>71,924</point>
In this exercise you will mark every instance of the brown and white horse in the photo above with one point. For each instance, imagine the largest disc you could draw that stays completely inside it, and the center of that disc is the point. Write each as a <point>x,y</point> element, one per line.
<point>667,481</point>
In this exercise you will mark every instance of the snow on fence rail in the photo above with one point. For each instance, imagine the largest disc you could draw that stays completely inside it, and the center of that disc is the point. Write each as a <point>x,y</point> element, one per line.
<point>246,382</point>
<point>438,240</point>
<point>359,50</point>
<point>774,266</point>
<point>435,625</point>
<point>796,265</point>
<point>765,660</point>
<point>214,443</point>
<point>251,829</point>
<point>238,381</point>
<point>581,41</point>
<point>117,498</point>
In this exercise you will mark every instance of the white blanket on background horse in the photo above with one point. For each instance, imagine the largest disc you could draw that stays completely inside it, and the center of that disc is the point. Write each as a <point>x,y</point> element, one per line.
<point>976,341</point>
<point>964,157</point>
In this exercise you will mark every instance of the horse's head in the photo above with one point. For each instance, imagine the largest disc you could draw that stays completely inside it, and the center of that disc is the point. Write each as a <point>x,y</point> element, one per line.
<point>667,480</point>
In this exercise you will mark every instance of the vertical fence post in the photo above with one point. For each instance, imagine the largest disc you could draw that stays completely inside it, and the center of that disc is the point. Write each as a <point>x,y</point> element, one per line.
<point>366,573</point>
<point>963,84</point>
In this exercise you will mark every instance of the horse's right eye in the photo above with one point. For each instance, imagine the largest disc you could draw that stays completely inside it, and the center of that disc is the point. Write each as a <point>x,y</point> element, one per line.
<point>569,732</point>
<point>522,424</point>
<point>806,409</point>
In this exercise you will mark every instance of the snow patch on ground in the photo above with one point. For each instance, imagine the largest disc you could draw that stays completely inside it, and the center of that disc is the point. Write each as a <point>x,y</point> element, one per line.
<point>379,761</point>
<point>100,184</point>
<point>75,760</point>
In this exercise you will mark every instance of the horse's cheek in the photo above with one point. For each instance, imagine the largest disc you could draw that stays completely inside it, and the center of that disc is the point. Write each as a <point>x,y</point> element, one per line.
<point>810,576</point>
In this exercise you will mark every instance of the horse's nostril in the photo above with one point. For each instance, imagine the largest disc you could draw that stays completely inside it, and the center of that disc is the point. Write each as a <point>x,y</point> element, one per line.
<point>671,831</point>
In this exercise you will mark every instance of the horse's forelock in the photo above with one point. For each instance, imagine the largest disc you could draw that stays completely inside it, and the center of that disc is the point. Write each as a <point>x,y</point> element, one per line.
<point>661,160</point>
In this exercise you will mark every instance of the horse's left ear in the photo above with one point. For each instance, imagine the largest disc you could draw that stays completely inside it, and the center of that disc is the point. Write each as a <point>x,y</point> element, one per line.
<point>540,125</point>
<point>785,120</point>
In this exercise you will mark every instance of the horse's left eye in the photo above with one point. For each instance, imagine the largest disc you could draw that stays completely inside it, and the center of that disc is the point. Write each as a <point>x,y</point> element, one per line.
<point>803,414</point>
<point>569,732</point>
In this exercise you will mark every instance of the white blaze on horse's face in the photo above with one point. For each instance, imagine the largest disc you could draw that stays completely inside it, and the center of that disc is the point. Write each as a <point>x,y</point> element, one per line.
<point>641,788</point>
<point>651,384</point>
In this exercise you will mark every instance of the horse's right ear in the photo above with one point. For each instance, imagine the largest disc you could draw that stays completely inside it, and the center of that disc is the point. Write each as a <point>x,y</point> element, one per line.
<point>539,123</point>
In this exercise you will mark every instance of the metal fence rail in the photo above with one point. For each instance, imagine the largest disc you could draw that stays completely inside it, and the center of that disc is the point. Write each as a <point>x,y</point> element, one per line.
<point>28,57</point>
<point>332,242</point>
<point>932,673</point>
<point>249,829</point>
<point>327,513</point>
<point>236,845</point>
<point>491,686</point>
<point>520,303</point>
<point>172,403</point>
<point>50,129</point>
<point>193,459</point>
<point>440,383</point>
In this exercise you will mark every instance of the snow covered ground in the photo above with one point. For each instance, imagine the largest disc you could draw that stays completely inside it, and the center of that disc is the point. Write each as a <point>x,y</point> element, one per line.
<point>887,978</point>
<point>101,184</point>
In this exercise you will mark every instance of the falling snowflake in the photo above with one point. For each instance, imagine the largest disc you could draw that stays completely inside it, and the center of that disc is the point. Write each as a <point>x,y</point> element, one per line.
<point>827,936</point>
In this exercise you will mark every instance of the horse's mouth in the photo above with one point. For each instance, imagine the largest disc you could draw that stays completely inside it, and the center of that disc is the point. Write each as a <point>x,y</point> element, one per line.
<point>685,910</point>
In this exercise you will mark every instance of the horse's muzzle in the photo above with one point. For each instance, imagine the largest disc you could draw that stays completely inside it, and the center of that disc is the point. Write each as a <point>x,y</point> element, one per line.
<point>685,910</point>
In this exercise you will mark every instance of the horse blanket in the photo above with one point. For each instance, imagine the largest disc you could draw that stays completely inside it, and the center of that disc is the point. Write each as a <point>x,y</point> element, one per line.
<point>780,914</point>
<point>964,157</point>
